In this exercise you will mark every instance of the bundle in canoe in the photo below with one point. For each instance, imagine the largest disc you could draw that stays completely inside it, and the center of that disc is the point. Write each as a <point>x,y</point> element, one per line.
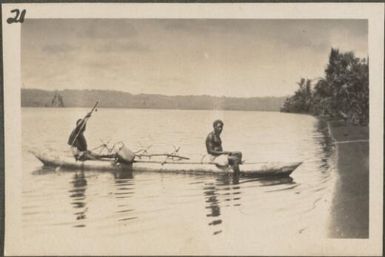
<point>177,166</point>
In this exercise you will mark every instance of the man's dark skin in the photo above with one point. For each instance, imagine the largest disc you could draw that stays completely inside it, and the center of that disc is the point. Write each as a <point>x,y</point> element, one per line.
<point>78,140</point>
<point>214,146</point>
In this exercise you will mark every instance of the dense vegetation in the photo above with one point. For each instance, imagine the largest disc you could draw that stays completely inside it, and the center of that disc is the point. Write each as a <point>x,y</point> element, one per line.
<point>343,91</point>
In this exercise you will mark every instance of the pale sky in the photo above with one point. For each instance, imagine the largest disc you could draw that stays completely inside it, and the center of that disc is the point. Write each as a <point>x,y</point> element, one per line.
<point>242,58</point>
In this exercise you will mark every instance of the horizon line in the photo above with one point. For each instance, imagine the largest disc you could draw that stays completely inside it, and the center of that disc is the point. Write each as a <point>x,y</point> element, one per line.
<point>113,90</point>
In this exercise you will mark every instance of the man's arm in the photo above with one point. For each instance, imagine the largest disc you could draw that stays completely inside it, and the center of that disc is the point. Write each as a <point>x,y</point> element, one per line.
<point>83,121</point>
<point>71,138</point>
<point>80,125</point>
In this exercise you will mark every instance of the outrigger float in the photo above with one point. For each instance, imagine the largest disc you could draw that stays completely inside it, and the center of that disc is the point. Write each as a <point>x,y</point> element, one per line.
<point>185,165</point>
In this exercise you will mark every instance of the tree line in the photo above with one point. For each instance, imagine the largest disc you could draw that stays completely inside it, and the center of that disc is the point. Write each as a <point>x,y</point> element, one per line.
<point>343,91</point>
<point>119,99</point>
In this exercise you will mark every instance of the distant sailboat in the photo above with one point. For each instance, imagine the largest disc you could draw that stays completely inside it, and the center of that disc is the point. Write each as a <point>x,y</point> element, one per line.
<point>57,100</point>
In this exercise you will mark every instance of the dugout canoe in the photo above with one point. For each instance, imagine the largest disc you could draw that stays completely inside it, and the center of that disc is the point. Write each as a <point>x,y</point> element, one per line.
<point>194,167</point>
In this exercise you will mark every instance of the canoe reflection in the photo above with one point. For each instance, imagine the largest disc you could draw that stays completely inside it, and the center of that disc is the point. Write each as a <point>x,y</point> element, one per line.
<point>226,191</point>
<point>44,170</point>
<point>124,189</point>
<point>221,193</point>
<point>272,181</point>
<point>123,174</point>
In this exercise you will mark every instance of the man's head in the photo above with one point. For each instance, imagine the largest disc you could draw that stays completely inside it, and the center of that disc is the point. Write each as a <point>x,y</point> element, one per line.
<point>78,123</point>
<point>218,126</point>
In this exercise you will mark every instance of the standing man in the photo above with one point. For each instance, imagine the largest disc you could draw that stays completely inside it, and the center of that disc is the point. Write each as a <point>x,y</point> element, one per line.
<point>214,148</point>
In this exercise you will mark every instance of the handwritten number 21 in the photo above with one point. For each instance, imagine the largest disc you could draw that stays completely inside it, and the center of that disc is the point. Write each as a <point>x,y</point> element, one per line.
<point>19,16</point>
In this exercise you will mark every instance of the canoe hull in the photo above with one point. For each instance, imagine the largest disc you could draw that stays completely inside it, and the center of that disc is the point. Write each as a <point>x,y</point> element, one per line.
<point>252,169</point>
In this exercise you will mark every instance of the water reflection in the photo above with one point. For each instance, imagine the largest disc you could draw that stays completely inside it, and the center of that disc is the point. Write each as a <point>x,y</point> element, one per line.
<point>121,175</point>
<point>226,192</point>
<point>272,181</point>
<point>326,144</point>
<point>125,187</point>
<point>77,193</point>
<point>213,206</point>
<point>212,195</point>
<point>44,170</point>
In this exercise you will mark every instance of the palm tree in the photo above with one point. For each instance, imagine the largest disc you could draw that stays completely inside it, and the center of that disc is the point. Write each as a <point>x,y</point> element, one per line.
<point>343,92</point>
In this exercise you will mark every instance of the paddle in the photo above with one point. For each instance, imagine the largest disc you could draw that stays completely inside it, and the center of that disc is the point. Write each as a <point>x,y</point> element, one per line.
<point>83,122</point>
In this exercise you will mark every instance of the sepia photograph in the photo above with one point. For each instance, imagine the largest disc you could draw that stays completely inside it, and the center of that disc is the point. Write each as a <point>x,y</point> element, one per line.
<point>174,129</point>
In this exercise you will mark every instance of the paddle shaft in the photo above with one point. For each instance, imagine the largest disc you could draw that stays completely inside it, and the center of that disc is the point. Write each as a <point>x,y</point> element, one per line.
<point>83,122</point>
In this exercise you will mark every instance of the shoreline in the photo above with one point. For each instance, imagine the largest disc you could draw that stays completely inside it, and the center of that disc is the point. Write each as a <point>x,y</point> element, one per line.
<point>350,204</point>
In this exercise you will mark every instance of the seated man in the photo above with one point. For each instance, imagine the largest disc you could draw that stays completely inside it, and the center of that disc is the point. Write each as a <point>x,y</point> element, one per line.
<point>78,142</point>
<point>214,148</point>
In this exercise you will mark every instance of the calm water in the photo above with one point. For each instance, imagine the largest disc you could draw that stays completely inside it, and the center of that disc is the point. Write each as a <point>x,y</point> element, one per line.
<point>152,213</point>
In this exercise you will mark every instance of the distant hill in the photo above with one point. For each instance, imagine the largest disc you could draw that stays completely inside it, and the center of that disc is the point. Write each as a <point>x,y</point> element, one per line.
<point>118,99</point>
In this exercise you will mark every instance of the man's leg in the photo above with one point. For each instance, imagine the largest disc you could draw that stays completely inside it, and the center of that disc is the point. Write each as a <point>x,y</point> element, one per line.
<point>235,158</point>
<point>237,155</point>
<point>87,155</point>
<point>222,160</point>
